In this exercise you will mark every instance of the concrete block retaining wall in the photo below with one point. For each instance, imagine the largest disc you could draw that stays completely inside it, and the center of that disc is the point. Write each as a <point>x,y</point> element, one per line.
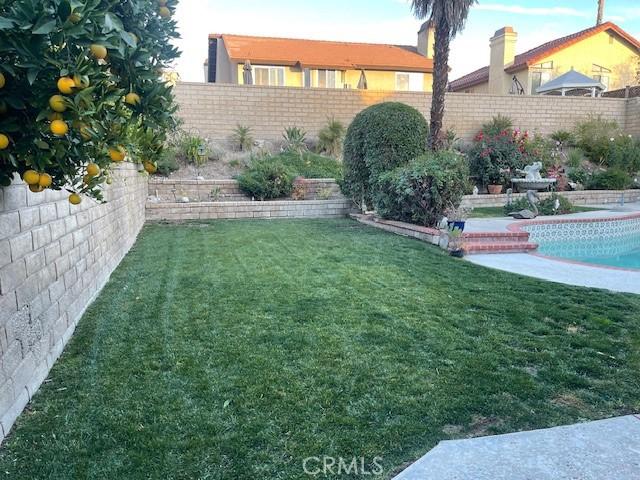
<point>247,209</point>
<point>584,197</point>
<point>54,259</point>
<point>171,190</point>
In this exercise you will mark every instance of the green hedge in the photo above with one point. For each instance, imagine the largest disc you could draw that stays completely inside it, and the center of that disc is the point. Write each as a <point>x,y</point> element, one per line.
<point>267,179</point>
<point>421,191</point>
<point>310,165</point>
<point>379,139</point>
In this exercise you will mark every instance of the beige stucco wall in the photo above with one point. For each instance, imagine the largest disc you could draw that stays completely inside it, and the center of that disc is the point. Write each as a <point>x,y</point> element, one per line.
<point>214,110</point>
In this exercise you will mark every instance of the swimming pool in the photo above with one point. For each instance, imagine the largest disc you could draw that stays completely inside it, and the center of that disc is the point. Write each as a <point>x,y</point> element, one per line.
<point>611,242</point>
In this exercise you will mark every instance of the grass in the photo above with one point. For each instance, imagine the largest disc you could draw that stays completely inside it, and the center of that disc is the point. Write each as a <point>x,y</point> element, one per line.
<point>494,212</point>
<point>234,350</point>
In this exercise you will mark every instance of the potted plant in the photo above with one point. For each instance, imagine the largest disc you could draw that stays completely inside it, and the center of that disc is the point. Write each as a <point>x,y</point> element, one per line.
<point>457,217</point>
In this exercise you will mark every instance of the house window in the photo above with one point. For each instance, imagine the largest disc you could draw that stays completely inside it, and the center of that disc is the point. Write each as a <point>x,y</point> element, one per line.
<point>601,74</point>
<point>540,74</point>
<point>330,79</point>
<point>269,76</point>
<point>409,82</point>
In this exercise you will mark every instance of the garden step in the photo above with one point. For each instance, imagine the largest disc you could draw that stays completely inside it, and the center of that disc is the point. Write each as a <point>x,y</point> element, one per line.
<point>493,237</point>
<point>499,247</point>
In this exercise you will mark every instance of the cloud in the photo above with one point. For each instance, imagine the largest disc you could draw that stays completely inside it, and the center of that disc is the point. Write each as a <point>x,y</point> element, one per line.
<point>521,10</point>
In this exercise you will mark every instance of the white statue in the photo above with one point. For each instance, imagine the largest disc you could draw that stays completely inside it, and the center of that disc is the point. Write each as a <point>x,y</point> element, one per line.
<point>532,172</point>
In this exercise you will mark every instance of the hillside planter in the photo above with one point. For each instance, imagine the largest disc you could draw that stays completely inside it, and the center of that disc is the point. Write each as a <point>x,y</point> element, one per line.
<point>495,189</point>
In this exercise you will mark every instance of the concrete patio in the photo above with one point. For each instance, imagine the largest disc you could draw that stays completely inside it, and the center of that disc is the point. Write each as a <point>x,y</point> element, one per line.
<point>601,450</point>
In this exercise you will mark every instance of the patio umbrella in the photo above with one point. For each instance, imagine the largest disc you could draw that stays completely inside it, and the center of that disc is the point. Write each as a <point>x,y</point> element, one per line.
<point>362,83</point>
<point>247,73</point>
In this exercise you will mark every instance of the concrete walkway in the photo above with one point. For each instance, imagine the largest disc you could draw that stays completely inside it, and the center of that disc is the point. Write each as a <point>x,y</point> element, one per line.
<point>600,450</point>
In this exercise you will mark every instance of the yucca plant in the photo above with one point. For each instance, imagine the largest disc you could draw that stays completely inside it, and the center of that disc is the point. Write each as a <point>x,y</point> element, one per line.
<point>242,138</point>
<point>294,140</point>
<point>331,138</point>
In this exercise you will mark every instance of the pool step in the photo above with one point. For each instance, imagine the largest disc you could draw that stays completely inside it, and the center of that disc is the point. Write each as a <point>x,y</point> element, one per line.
<point>497,242</point>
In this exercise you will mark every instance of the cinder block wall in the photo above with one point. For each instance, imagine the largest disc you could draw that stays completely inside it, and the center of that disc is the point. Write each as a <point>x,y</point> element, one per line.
<point>633,116</point>
<point>213,110</point>
<point>54,259</point>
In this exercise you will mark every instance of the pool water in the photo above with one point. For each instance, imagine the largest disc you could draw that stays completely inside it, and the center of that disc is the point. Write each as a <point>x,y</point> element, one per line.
<point>612,243</point>
<point>581,251</point>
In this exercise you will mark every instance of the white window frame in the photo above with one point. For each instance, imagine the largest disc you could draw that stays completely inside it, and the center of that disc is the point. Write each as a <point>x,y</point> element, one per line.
<point>338,78</point>
<point>270,68</point>
<point>415,84</point>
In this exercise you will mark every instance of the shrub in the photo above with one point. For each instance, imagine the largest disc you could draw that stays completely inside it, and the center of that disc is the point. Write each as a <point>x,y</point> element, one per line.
<point>188,148</point>
<point>308,165</point>
<point>381,138</point>
<point>421,191</point>
<point>612,179</point>
<point>167,162</point>
<point>67,67</point>
<point>493,159</point>
<point>593,137</point>
<point>331,139</point>
<point>624,154</point>
<point>497,125</point>
<point>242,138</point>
<point>563,138</point>
<point>267,179</point>
<point>545,207</point>
<point>294,140</point>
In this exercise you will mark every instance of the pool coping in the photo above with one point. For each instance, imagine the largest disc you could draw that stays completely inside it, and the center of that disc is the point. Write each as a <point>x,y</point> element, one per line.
<point>517,227</point>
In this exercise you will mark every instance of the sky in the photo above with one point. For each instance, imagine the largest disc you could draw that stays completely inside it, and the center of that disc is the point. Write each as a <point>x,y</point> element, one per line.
<point>386,21</point>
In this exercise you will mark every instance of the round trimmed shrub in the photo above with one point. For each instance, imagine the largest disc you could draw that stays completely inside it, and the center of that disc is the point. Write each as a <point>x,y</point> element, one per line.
<point>421,191</point>
<point>381,138</point>
<point>267,179</point>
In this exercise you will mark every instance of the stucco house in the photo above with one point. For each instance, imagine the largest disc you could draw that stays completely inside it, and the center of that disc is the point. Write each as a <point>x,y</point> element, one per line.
<point>605,53</point>
<point>322,64</point>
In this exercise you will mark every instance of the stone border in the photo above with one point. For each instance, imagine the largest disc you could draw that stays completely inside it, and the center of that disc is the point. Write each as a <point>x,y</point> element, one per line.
<point>580,197</point>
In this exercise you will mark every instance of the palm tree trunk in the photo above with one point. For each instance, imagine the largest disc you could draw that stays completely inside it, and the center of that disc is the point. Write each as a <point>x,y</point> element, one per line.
<point>440,82</point>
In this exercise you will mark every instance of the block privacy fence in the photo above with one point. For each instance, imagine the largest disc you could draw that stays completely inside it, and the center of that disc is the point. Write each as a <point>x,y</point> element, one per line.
<point>54,259</point>
<point>214,110</point>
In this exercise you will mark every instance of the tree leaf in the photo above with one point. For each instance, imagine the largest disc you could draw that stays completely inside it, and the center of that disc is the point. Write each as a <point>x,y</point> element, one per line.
<point>6,23</point>
<point>32,74</point>
<point>111,22</point>
<point>44,27</point>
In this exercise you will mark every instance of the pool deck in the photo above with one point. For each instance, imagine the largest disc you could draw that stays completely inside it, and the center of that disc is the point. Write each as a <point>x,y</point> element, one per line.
<point>557,270</point>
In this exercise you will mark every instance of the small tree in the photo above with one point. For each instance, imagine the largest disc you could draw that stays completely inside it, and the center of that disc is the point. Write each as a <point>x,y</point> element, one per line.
<point>448,18</point>
<point>81,87</point>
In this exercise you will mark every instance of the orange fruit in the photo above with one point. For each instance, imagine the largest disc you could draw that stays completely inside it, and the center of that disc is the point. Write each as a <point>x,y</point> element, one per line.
<point>98,51</point>
<point>93,170</point>
<point>117,154</point>
<point>132,98</point>
<point>57,103</point>
<point>59,128</point>
<point>36,188</point>
<point>75,199</point>
<point>164,12</point>
<point>45,180</point>
<point>66,85</point>
<point>75,17</point>
<point>4,141</point>
<point>109,181</point>
<point>31,177</point>
<point>150,167</point>
<point>3,80</point>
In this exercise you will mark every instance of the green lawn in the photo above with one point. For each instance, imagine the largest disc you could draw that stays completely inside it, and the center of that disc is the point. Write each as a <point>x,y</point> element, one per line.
<point>493,212</point>
<point>235,349</point>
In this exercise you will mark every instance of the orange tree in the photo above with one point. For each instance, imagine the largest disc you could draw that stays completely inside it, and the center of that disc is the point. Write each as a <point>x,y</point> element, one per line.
<point>81,87</point>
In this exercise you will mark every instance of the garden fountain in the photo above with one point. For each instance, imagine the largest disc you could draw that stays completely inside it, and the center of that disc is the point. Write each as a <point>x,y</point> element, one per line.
<point>533,180</point>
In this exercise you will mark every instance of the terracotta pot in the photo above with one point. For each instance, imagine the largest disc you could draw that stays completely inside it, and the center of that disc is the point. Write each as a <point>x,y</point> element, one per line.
<point>495,189</point>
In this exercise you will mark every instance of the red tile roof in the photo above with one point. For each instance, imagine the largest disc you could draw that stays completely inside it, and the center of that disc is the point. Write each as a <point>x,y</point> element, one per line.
<point>535,55</point>
<point>324,54</point>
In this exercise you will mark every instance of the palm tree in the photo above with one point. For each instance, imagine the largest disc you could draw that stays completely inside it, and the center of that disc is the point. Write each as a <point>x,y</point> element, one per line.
<point>448,18</point>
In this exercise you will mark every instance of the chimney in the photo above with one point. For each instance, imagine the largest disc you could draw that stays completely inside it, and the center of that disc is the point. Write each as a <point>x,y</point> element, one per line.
<point>426,39</point>
<point>503,53</point>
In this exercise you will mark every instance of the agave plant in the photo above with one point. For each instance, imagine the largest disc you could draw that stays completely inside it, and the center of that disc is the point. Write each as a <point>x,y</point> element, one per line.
<point>294,140</point>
